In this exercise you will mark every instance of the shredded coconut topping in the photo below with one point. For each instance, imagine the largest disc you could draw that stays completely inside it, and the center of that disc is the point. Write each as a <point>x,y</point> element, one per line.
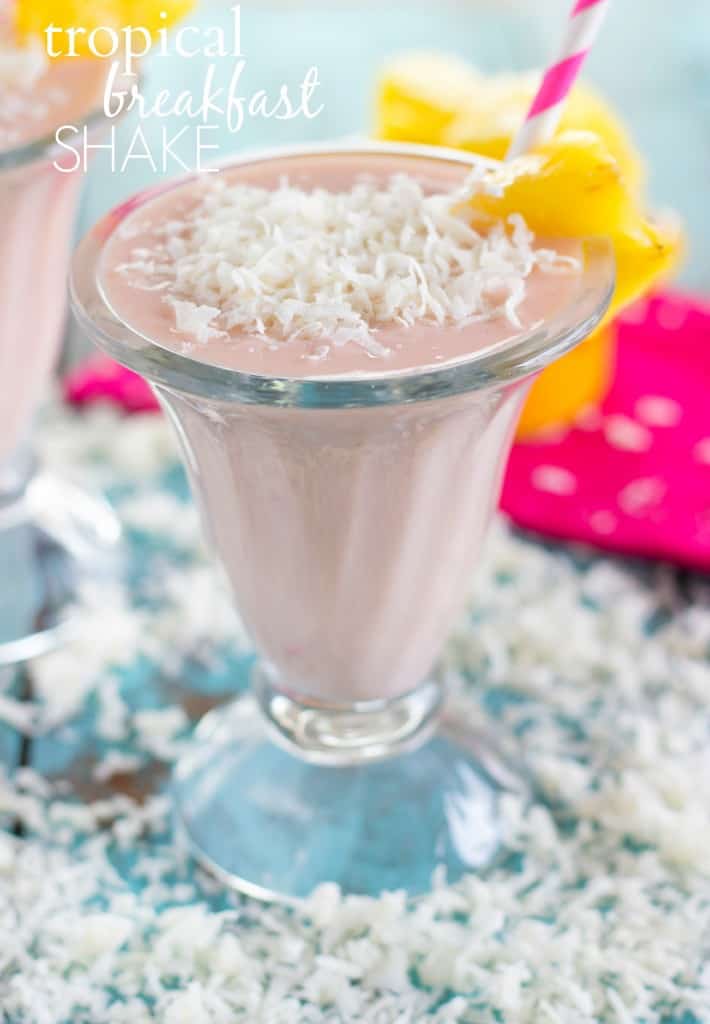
<point>332,267</point>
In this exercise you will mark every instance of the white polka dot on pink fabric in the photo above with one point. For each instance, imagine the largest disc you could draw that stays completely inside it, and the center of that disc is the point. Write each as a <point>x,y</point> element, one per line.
<point>603,522</point>
<point>642,495</point>
<point>670,315</point>
<point>658,411</point>
<point>701,451</point>
<point>553,480</point>
<point>702,520</point>
<point>626,434</point>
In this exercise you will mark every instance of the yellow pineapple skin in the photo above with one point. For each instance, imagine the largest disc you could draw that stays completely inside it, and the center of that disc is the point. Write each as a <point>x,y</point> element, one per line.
<point>576,381</point>
<point>569,187</point>
<point>437,99</point>
<point>419,95</point>
<point>647,252</point>
<point>573,187</point>
<point>489,127</point>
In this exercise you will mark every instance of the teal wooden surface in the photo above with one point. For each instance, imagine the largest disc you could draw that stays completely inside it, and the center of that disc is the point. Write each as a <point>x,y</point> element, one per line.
<point>653,61</point>
<point>633,654</point>
<point>10,740</point>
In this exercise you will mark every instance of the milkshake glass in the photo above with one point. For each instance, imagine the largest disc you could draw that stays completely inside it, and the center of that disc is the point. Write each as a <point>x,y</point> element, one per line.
<point>53,536</point>
<point>348,512</point>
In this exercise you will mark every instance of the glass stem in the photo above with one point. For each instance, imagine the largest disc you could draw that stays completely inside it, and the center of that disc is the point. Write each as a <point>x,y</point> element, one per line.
<point>321,732</point>
<point>16,471</point>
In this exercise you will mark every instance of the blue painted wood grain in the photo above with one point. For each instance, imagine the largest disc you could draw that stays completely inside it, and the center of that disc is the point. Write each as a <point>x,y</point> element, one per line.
<point>10,742</point>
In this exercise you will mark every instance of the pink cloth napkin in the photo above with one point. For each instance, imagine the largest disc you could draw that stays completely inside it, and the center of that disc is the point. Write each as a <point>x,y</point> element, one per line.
<point>633,476</point>
<point>100,379</point>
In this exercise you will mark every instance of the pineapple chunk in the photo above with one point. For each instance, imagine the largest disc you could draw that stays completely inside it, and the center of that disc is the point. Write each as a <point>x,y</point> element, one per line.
<point>576,381</point>
<point>650,250</point>
<point>573,187</point>
<point>491,120</point>
<point>586,181</point>
<point>420,94</point>
<point>441,100</point>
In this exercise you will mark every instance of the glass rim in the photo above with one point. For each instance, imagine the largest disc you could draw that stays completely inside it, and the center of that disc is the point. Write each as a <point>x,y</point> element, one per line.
<point>522,356</point>
<point>45,146</point>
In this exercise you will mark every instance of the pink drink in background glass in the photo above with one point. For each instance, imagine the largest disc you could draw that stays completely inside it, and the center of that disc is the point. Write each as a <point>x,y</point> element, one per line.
<point>348,536</point>
<point>37,207</point>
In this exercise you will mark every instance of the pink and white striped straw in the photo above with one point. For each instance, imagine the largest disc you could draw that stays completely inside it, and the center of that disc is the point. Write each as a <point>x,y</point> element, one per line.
<point>546,109</point>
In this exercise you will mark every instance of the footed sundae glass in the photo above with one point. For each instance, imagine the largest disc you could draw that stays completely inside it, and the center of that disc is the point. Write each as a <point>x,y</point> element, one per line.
<point>349,515</point>
<point>54,537</point>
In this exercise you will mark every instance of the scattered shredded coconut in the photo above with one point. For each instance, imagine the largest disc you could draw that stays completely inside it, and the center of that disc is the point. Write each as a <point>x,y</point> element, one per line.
<point>333,267</point>
<point>162,723</point>
<point>116,763</point>
<point>160,513</point>
<point>157,731</point>
<point>598,912</point>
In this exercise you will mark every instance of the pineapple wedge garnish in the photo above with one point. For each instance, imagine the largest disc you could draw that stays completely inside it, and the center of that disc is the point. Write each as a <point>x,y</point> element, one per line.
<point>489,128</point>
<point>587,181</point>
<point>441,100</point>
<point>574,187</point>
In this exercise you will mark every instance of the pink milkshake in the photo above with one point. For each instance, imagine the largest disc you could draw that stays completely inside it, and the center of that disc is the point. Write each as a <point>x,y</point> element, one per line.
<point>343,354</point>
<point>349,536</point>
<point>37,205</point>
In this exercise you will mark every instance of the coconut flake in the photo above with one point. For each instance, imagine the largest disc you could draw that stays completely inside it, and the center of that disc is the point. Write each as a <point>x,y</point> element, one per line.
<point>603,921</point>
<point>332,267</point>
<point>194,320</point>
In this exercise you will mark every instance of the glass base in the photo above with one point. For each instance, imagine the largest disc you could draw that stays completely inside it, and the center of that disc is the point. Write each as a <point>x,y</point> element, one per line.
<point>55,540</point>
<point>275,826</point>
